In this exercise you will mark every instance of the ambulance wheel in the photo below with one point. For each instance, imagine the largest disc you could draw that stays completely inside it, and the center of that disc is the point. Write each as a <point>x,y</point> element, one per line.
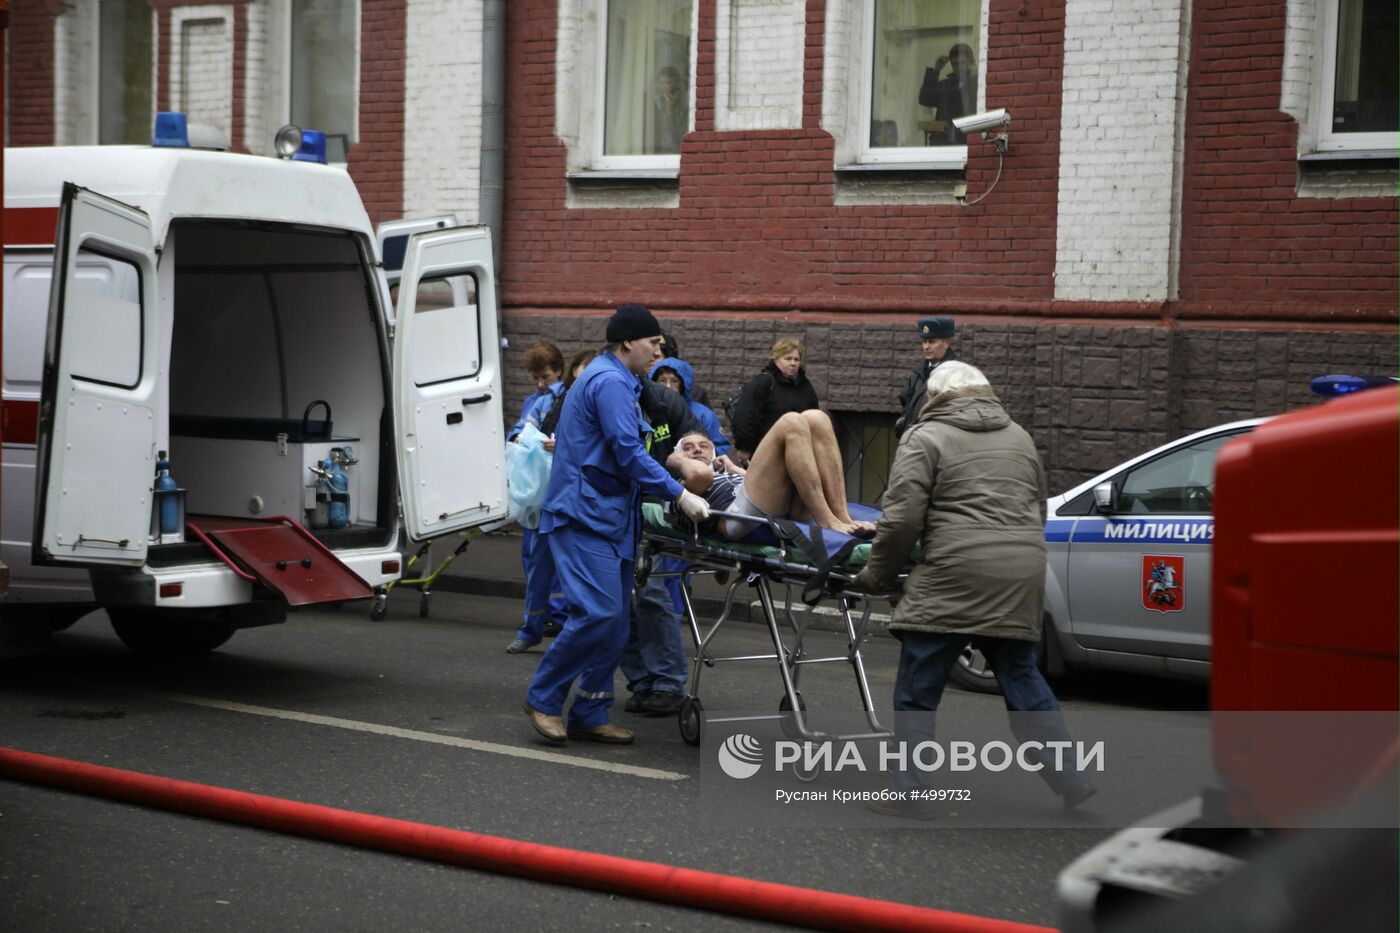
<point>425,603</point>
<point>973,673</point>
<point>692,720</point>
<point>789,723</point>
<point>379,610</point>
<point>159,635</point>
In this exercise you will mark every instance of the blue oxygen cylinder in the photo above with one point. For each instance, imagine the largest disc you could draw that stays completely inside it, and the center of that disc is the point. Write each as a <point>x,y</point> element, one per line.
<point>339,483</point>
<point>165,495</point>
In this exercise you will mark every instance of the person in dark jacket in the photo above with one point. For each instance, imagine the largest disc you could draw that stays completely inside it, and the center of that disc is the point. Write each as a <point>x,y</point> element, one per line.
<point>968,486</point>
<point>781,387</point>
<point>951,97</point>
<point>937,336</point>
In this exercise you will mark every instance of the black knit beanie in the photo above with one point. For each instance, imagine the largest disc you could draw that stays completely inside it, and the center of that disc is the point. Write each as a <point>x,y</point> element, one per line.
<point>632,322</point>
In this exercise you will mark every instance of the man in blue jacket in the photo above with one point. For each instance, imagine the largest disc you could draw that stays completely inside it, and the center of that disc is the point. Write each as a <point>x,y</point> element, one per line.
<point>591,518</point>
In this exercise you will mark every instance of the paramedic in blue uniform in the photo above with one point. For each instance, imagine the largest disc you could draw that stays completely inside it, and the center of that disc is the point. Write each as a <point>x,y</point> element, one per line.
<point>591,518</point>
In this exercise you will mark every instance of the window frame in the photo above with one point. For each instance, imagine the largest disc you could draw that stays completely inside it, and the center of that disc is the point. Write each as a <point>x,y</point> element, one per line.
<point>665,165</point>
<point>938,158</point>
<point>1358,145</point>
<point>288,31</point>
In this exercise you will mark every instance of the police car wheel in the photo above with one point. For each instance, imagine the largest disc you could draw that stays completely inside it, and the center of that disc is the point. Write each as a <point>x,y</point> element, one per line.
<point>972,672</point>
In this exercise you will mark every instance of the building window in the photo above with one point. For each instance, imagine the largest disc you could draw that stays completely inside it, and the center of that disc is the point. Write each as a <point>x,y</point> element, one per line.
<point>922,69</point>
<point>645,91</point>
<point>325,69</point>
<point>125,115</point>
<point>1359,105</point>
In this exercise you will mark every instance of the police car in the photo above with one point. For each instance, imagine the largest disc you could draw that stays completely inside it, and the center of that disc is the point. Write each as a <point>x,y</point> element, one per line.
<point>1127,582</point>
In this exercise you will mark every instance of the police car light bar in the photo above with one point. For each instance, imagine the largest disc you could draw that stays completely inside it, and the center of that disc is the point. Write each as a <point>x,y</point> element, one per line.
<point>1344,383</point>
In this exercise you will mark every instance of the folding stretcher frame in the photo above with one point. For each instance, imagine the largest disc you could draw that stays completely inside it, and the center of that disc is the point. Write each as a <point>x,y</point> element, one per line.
<point>760,567</point>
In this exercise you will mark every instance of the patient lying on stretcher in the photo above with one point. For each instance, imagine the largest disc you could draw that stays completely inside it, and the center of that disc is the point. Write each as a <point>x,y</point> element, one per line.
<point>795,473</point>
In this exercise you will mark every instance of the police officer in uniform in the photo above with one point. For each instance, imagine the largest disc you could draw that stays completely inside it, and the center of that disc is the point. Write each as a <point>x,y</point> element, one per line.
<point>591,519</point>
<point>937,336</point>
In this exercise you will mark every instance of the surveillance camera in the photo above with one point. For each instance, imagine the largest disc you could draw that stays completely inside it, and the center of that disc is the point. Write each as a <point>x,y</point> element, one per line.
<point>983,122</point>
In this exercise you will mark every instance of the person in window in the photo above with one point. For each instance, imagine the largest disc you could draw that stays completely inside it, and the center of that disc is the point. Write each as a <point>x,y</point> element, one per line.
<point>670,112</point>
<point>780,387</point>
<point>950,97</point>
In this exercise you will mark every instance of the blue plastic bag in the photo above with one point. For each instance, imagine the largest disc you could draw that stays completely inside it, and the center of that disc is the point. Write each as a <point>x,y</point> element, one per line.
<point>527,476</point>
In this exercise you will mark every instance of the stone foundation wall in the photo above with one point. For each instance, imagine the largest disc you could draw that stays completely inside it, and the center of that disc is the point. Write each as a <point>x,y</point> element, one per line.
<point>1091,396</point>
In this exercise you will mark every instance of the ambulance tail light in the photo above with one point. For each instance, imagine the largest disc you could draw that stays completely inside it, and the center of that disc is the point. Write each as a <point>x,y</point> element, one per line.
<point>389,566</point>
<point>172,590</point>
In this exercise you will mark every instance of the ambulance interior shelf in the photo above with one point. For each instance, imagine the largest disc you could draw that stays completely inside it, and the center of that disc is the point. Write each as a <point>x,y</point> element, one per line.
<point>250,468</point>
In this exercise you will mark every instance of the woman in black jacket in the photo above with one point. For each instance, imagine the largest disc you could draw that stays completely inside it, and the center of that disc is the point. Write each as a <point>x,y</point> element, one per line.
<point>781,387</point>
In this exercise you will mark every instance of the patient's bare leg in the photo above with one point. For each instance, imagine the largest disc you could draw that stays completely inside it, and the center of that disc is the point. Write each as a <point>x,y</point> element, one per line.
<point>827,454</point>
<point>785,463</point>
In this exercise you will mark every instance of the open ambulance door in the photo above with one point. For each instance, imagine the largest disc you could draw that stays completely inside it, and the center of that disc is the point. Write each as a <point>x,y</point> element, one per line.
<point>447,385</point>
<point>97,425</point>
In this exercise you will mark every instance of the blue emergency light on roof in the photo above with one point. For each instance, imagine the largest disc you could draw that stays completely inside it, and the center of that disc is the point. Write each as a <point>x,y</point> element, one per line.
<point>1344,383</point>
<point>171,130</point>
<point>313,147</point>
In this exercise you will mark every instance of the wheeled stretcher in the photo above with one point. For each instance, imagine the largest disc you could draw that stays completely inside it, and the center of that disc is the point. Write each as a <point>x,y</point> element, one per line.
<point>806,563</point>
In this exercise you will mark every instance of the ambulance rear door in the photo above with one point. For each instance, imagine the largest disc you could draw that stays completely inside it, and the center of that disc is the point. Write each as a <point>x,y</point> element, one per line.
<point>101,387</point>
<point>447,385</point>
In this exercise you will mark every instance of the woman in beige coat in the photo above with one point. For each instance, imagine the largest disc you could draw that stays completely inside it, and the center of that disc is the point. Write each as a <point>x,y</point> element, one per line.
<point>967,484</point>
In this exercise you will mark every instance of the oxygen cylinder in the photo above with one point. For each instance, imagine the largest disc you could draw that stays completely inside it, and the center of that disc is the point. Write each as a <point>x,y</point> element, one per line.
<point>165,495</point>
<point>338,482</point>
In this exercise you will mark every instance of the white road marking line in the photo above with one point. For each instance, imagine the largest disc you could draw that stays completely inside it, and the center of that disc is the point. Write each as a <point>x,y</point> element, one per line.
<point>376,729</point>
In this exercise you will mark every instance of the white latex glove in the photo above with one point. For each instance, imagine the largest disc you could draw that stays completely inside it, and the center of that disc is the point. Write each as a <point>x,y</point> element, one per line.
<point>693,507</point>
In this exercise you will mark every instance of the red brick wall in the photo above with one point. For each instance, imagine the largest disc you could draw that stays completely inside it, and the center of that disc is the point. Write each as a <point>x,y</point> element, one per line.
<point>31,72</point>
<point>756,228</point>
<point>1249,244</point>
<point>376,160</point>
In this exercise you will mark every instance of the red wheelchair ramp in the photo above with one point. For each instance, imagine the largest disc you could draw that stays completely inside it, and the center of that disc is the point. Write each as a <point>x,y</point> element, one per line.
<point>287,558</point>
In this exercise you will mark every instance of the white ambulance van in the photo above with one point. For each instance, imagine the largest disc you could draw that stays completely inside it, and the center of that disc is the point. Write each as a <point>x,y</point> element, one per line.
<point>226,316</point>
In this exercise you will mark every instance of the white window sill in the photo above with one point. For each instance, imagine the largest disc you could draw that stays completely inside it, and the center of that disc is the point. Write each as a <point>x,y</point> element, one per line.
<point>920,166</point>
<point>625,174</point>
<point>1339,155</point>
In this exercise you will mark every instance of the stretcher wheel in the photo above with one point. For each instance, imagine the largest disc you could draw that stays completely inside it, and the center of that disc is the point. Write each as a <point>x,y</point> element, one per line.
<point>692,720</point>
<point>806,775</point>
<point>425,603</point>
<point>789,723</point>
<point>379,610</point>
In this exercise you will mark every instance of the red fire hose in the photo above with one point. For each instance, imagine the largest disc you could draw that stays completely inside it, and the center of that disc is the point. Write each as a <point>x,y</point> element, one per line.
<point>649,880</point>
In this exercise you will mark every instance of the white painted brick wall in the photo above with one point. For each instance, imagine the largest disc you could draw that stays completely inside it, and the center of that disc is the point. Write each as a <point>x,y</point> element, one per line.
<point>75,77</point>
<point>201,65</point>
<point>1120,149</point>
<point>442,109</point>
<point>758,55</point>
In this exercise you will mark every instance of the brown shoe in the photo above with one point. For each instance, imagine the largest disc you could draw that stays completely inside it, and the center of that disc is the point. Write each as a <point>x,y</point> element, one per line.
<point>607,733</point>
<point>550,728</point>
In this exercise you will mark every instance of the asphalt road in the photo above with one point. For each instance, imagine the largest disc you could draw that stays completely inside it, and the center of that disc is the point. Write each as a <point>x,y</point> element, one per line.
<point>299,711</point>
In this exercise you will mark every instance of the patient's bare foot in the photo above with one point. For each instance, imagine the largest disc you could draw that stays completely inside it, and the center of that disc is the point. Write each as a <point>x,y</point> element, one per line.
<point>863,530</point>
<point>846,528</point>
